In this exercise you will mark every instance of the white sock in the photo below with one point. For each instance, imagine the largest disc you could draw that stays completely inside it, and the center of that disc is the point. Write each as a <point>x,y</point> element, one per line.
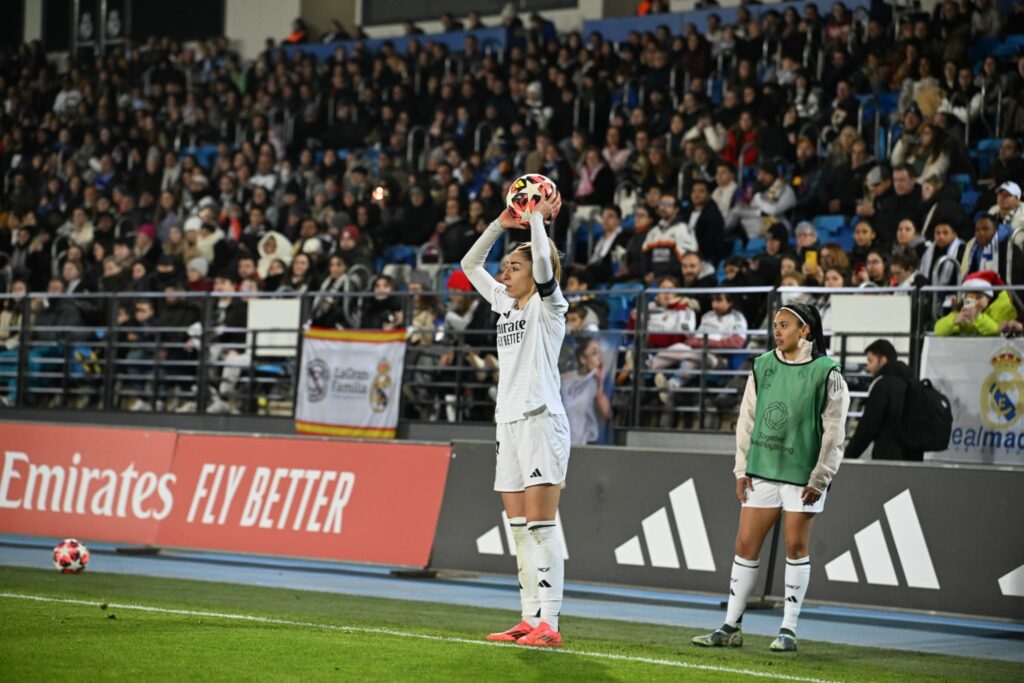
<point>528,592</point>
<point>798,575</point>
<point>550,566</point>
<point>744,575</point>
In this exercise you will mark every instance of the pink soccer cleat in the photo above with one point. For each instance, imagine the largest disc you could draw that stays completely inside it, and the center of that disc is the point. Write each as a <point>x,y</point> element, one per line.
<point>512,635</point>
<point>542,636</point>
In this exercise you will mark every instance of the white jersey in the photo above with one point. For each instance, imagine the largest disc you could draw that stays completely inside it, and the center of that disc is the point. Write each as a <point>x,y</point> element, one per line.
<point>529,341</point>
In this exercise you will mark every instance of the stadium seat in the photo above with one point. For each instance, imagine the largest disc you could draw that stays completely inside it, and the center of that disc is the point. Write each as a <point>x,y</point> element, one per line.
<point>888,103</point>
<point>984,152</point>
<point>963,181</point>
<point>1012,46</point>
<point>829,224</point>
<point>968,200</point>
<point>401,253</point>
<point>844,238</point>
<point>753,248</point>
<point>621,302</point>
<point>982,48</point>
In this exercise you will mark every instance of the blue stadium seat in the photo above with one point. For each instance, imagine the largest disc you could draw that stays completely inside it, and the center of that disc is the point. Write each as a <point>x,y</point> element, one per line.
<point>968,200</point>
<point>753,248</point>
<point>981,48</point>
<point>585,233</point>
<point>205,155</point>
<point>844,238</point>
<point>620,304</point>
<point>400,253</point>
<point>1012,46</point>
<point>963,181</point>
<point>829,224</point>
<point>983,153</point>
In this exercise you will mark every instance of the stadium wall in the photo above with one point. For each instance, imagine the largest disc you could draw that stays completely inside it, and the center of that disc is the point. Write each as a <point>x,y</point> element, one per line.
<point>941,538</point>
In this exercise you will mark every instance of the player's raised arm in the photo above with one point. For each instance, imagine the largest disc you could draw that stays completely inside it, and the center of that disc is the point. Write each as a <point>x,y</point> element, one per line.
<point>540,245</point>
<point>474,260</point>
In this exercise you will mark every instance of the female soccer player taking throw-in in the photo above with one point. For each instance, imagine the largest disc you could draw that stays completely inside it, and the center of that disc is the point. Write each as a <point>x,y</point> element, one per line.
<point>532,428</point>
<point>789,443</point>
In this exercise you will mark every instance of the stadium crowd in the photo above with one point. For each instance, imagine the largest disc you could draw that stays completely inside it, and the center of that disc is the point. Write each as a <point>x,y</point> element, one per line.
<point>686,161</point>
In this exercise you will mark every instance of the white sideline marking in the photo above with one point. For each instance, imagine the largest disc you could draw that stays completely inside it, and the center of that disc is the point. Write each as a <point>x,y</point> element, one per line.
<point>423,636</point>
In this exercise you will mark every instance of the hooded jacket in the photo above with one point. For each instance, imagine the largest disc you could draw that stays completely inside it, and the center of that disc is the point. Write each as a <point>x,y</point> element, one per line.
<point>283,252</point>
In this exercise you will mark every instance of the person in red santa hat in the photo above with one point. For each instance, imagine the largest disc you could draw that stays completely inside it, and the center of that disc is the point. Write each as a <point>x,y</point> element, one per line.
<point>983,312</point>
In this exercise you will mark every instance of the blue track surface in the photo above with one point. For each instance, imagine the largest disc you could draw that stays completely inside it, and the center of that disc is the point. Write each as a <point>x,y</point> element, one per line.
<point>873,628</point>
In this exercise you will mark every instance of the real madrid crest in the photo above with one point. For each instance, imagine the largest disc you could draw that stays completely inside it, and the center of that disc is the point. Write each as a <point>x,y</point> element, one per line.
<point>381,386</point>
<point>1002,392</point>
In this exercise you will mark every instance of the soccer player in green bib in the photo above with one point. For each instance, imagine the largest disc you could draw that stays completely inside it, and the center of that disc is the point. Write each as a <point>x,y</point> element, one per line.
<point>789,443</point>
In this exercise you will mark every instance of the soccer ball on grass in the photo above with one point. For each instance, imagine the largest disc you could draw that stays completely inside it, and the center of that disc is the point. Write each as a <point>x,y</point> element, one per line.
<point>525,193</point>
<point>70,556</point>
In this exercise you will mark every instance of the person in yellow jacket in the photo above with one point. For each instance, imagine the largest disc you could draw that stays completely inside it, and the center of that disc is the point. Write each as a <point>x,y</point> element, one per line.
<point>983,311</point>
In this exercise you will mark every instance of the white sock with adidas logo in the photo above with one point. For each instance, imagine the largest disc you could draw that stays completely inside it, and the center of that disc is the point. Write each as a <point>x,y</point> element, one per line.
<point>744,575</point>
<point>550,567</point>
<point>529,595</point>
<point>798,575</point>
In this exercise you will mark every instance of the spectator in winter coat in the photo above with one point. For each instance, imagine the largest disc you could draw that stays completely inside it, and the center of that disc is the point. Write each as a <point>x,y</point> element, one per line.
<point>770,204</point>
<point>992,248</point>
<point>610,250</point>
<point>983,313</point>
<point>705,220</point>
<point>633,267</point>
<point>940,204</point>
<point>945,244</point>
<point>595,184</point>
<point>666,242</point>
<point>698,274</point>
<point>273,245</point>
<point>1008,208</point>
<point>882,420</point>
<point>669,317</point>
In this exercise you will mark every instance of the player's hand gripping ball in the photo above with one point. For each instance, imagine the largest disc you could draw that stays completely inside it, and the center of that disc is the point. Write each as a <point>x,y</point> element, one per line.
<point>70,556</point>
<point>525,193</point>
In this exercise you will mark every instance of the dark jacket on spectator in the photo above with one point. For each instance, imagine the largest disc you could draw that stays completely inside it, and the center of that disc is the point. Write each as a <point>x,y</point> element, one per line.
<point>883,417</point>
<point>710,231</point>
<point>891,208</point>
<point>943,207</point>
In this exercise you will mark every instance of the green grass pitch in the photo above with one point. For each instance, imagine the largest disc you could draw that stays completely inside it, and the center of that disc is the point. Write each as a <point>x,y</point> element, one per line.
<point>197,630</point>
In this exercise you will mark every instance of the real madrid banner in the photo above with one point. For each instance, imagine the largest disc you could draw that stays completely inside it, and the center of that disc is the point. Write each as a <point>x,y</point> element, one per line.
<point>350,382</point>
<point>982,377</point>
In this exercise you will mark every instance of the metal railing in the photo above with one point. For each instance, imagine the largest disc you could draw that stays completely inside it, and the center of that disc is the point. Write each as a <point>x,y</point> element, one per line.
<point>104,360</point>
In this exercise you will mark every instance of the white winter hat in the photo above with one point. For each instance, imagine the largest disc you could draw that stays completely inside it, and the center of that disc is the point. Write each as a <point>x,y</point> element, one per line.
<point>193,223</point>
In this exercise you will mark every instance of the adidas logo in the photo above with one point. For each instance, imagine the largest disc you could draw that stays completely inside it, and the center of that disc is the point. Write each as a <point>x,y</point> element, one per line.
<point>1013,583</point>
<point>536,473</point>
<point>490,542</point>
<point>661,544</point>
<point>875,559</point>
<point>792,598</point>
<point>543,584</point>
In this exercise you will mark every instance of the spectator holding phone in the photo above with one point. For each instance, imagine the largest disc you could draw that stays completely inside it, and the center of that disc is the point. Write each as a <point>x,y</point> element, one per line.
<point>983,313</point>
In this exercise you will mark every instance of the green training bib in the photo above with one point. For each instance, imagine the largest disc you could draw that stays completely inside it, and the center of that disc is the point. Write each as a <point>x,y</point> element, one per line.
<point>786,439</point>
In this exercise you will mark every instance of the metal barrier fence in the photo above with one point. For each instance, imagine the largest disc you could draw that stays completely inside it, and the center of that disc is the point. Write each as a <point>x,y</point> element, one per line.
<point>239,352</point>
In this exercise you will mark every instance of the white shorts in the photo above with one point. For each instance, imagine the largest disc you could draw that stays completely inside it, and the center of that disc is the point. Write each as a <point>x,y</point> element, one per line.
<point>532,451</point>
<point>777,494</point>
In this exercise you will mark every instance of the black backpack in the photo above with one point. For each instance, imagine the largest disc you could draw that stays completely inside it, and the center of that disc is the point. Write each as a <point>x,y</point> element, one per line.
<point>927,417</point>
